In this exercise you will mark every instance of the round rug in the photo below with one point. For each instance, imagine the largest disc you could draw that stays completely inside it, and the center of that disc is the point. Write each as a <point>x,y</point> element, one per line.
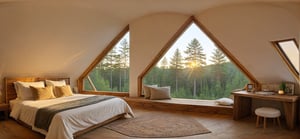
<point>158,126</point>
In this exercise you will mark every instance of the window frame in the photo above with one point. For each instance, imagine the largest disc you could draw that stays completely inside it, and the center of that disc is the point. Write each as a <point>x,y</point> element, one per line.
<point>180,31</point>
<point>110,46</point>
<point>284,57</point>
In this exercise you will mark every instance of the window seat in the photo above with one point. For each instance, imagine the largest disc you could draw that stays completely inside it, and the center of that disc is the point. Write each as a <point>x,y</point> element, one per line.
<point>178,104</point>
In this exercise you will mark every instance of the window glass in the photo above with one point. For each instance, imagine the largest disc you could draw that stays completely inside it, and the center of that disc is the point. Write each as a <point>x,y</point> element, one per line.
<point>195,68</point>
<point>112,72</point>
<point>291,52</point>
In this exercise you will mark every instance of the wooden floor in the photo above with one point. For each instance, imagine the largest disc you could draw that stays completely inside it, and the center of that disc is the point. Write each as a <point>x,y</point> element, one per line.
<point>222,127</point>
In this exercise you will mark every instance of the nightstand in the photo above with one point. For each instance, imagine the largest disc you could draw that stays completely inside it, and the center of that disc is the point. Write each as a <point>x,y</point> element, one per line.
<point>5,108</point>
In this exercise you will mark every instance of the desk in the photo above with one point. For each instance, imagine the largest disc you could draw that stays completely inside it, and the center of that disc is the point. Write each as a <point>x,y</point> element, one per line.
<point>243,102</point>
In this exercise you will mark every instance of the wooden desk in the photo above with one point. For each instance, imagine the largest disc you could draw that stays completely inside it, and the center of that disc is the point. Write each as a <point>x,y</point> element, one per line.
<point>243,102</point>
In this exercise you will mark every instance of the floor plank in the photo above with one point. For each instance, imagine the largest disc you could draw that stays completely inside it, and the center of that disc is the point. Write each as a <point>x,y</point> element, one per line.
<point>222,127</point>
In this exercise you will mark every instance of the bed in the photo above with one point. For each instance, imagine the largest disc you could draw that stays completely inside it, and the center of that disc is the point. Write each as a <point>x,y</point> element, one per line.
<point>65,124</point>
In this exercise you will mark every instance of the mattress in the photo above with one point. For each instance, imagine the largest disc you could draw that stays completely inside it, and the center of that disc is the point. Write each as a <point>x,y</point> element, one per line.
<point>64,124</point>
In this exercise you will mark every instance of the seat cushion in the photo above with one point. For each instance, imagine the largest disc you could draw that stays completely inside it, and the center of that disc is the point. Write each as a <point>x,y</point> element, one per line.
<point>267,112</point>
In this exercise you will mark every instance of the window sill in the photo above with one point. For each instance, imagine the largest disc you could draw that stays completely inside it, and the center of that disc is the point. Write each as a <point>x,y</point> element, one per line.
<point>177,104</point>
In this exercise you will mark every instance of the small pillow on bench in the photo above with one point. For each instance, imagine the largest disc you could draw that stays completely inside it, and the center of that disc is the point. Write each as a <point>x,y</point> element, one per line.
<point>160,93</point>
<point>224,101</point>
<point>146,89</point>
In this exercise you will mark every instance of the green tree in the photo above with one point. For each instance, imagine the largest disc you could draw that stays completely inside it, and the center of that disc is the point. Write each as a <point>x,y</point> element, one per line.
<point>195,59</point>
<point>164,66</point>
<point>124,62</point>
<point>218,59</point>
<point>195,55</point>
<point>109,63</point>
<point>176,64</point>
<point>164,63</point>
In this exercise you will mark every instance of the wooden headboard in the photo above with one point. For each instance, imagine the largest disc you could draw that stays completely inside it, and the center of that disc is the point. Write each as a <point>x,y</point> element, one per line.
<point>9,89</point>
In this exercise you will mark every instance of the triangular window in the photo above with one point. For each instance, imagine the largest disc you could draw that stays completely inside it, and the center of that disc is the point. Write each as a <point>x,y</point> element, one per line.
<point>111,74</point>
<point>194,67</point>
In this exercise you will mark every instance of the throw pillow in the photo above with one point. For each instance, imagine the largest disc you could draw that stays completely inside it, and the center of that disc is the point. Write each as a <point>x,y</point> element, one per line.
<point>160,93</point>
<point>63,91</point>
<point>23,89</point>
<point>224,101</point>
<point>54,84</point>
<point>42,93</point>
<point>146,90</point>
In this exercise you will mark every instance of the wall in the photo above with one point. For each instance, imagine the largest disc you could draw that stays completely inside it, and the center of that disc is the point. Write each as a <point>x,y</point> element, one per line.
<point>50,39</point>
<point>246,30</point>
<point>148,35</point>
<point>63,39</point>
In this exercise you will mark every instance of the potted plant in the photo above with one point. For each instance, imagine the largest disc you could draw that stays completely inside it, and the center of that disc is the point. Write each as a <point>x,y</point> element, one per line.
<point>282,87</point>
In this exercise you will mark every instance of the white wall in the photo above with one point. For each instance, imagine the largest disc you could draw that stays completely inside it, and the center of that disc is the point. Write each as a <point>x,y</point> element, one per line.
<point>50,39</point>
<point>246,30</point>
<point>62,39</point>
<point>148,35</point>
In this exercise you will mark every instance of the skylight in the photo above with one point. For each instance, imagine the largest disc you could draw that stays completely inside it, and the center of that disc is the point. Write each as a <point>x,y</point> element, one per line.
<point>289,51</point>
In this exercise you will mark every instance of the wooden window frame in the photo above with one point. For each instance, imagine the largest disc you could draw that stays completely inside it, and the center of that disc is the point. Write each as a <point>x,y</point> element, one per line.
<point>285,58</point>
<point>94,64</point>
<point>180,31</point>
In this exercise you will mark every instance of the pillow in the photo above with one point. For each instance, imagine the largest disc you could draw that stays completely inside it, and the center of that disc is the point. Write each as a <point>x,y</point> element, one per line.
<point>23,89</point>
<point>160,92</point>
<point>42,93</point>
<point>63,91</point>
<point>224,101</point>
<point>146,89</point>
<point>54,84</point>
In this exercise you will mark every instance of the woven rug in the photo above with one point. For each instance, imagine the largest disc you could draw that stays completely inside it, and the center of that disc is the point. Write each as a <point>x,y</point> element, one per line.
<point>157,126</point>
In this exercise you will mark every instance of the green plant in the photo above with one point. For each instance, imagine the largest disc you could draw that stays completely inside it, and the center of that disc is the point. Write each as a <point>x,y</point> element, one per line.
<point>282,86</point>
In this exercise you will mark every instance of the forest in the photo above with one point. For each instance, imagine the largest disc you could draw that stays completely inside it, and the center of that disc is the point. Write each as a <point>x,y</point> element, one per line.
<point>188,76</point>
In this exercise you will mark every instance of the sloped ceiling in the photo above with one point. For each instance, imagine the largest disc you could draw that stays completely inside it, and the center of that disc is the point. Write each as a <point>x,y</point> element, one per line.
<point>63,37</point>
<point>247,32</point>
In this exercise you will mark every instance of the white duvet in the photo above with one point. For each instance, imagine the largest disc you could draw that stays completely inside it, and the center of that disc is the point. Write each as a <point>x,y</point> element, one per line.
<point>65,123</point>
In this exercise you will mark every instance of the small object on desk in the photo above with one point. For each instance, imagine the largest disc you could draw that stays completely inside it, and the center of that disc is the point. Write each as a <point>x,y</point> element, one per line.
<point>250,87</point>
<point>280,92</point>
<point>265,93</point>
<point>282,87</point>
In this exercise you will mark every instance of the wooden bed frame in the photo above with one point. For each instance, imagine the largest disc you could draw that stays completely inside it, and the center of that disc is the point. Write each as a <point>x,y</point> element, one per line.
<point>10,94</point>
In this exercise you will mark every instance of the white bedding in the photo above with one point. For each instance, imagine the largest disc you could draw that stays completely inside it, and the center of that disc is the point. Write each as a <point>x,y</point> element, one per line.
<point>65,123</point>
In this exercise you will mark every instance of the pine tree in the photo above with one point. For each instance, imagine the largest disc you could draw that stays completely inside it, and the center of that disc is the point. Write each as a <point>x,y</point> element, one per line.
<point>176,63</point>
<point>124,62</point>
<point>124,53</point>
<point>195,55</point>
<point>164,63</point>
<point>195,60</point>
<point>218,59</point>
<point>109,63</point>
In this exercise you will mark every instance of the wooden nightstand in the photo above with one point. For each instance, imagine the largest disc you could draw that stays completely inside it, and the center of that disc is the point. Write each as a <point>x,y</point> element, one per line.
<point>5,108</point>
